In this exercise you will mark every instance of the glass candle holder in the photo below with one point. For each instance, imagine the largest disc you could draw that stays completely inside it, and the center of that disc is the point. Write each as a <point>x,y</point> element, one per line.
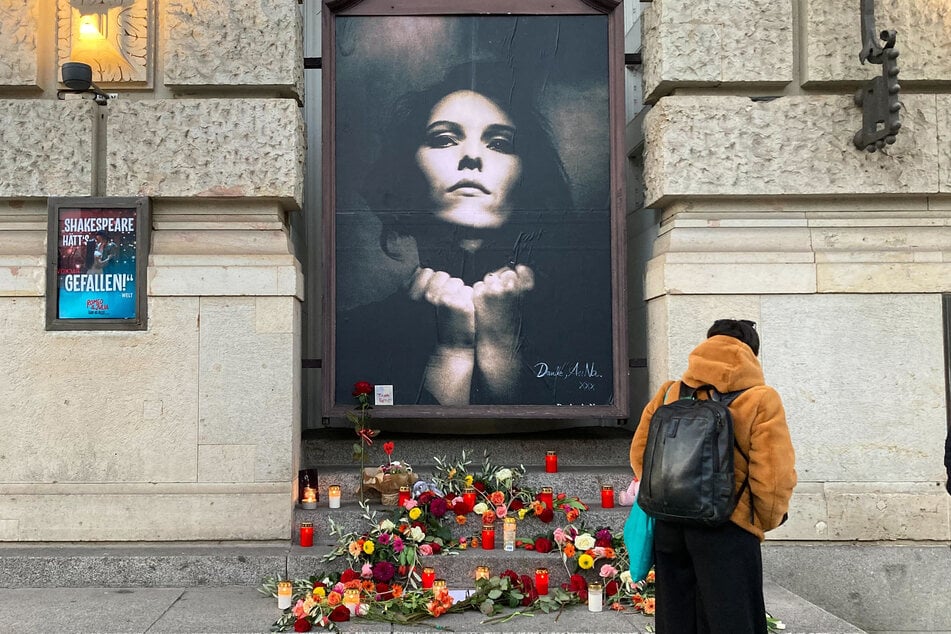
<point>595,598</point>
<point>488,537</point>
<point>508,534</point>
<point>428,577</point>
<point>306,534</point>
<point>285,589</point>
<point>546,497</point>
<point>308,498</point>
<point>551,462</point>
<point>607,497</point>
<point>403,496</point>
<point>333,496</point>
<point>351,599</point>
<point>439,585</point>
<point>469,498</point>
<point>541,580</point>
<point>482,572</point>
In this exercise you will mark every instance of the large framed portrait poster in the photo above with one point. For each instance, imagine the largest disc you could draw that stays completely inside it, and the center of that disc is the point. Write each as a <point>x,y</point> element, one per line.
<point>474,202</point>
<point>97,256</point>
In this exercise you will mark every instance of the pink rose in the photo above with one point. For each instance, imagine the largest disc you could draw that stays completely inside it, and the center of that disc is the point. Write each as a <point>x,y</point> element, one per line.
<point>366,571</point>
<point>426,550</point>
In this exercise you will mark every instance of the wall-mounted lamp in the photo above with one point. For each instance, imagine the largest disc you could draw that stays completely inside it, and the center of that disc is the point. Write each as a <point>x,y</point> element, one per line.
<point>111,36</point>
<point>78,79</point>
<point>879,97</point>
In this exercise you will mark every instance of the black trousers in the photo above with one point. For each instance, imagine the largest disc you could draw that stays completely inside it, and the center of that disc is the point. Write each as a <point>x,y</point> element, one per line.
<point>708,580</point>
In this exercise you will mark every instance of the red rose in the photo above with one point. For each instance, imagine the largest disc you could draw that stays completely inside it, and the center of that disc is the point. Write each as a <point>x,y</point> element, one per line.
<point>578,585</point>
<point>479,486</point>
<point>362,387</point>
<point>516,505</point>
<point>511,575</point>
<point>529,546</point>
<point>547,515</point>
<point>301,625</point>
<point>348,575</point>
<point>425,497</point>
<point>340,613</point>
<point>543,545</point>
<point>388,447</point>
<point>436,547</point>
<point>460,508</point>
<point>611,589</point>
<point>528,589</point>
<point>603,543</point>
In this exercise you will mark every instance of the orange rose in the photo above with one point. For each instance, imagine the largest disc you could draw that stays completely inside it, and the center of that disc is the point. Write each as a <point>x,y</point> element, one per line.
<point>569,550</point>
<point>334,598</point>
<point>609,553</point>
<point>488,517</point>
<point>497,498</point>
<point>460,519</point>
<point>353,583</point>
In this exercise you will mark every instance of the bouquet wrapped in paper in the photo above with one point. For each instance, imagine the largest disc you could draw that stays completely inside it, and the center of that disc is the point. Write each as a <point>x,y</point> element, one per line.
<point>387,480</point>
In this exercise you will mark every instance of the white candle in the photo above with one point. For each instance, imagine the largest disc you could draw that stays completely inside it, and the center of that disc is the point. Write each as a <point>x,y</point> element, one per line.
<point>309,499</point>
<point>284,591</point>
<point>595,600</point>
<point>333,496</point>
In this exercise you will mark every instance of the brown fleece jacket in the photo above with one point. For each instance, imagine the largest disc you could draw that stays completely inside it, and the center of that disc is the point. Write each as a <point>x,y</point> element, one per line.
<point>759,424</point>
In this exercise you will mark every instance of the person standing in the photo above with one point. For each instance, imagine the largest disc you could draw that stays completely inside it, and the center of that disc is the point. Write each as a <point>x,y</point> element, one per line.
<point>710,579</point>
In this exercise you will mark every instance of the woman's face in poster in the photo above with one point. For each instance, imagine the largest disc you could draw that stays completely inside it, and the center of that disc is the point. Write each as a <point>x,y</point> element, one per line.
<point>468,160</point>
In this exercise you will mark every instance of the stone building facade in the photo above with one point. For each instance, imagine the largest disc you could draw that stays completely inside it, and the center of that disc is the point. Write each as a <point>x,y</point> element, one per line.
<point>747,198</point>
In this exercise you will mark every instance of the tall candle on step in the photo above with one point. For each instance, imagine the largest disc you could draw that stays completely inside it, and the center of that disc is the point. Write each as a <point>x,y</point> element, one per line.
<point>428,577</point>
<point>351,599</point>
<point>607,497</point>
<point>284,591</point>
<point>551,462</point>
<point>595,599</point>
<point>308,498</point>
<point>546,497</point>
<point>469,498</point>
<point>488,537</point>
<point>403,496</point>
<point>508,534</point>
<point>541,580</point>
<point>306,534</point>
<point>333,496</point>
<point>482,572</point>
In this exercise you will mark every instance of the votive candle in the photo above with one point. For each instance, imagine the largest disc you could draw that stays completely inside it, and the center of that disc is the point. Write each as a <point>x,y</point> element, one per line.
<point>469,498</point>
<point>595,600</point>
<point>306,534</point>
<point>541,580</point>
<point>429,576</point>
<point>351,599</point>
<point>439,584</point>
<point>333,496</point>
<point>284,591</point>
<point>403,496</point>
<point>488,537</point>
<point>308,498</point>
<point>482,572</point>
<point>546,497</point>
<point>551,462</point>
<point>607,497</point>
<point>508,534</point>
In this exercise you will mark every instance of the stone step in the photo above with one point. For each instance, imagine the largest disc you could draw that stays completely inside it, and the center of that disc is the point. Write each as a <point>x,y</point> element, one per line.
<point>349,519</point>
<point>585,446</point>
<point>577,481</point>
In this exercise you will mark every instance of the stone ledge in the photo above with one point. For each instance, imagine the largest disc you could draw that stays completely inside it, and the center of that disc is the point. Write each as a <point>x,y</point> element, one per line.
<point>18,28</point>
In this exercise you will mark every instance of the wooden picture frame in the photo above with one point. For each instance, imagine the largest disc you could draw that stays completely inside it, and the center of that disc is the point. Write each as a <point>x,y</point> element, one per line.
<point>473,208</point>
<point>97,261</point>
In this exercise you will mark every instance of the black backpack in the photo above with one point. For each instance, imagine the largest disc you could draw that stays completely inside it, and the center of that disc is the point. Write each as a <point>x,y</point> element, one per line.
<point>688,461</point>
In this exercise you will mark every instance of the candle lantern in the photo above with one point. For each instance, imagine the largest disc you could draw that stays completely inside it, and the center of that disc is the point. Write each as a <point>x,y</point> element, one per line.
<point>508,534</point>
<point>595,600</point>
<point>551,462</point>
<point>429,576</point>
<point>541,580</point>
<point>351,599</point>
<point>284,591</point>
<point>482,572</point>
<point>306,534</point>
<point>469,498</point>
<point>439,585</point>
<point>607,497</point>
<point>403,496</point>
<point>333,496</point>
<point>308,498</point>
<point>546,498</point>
<point>488,537</point>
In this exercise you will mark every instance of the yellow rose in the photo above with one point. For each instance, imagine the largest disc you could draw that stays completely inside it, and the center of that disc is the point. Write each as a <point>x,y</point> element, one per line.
<point>415,512</point>
<point>586,561</point>
<point>522,512</point>
<point>468,480</point>
<point>320,592</point>
<point>368,547</point>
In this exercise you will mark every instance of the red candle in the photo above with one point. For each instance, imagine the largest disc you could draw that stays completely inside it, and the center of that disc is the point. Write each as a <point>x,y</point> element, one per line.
<point>607,497</point>
<point>306,534</point>
<point>545,497</point>
<point>541,580</point>
<point>469,498</point>
<point>488,537</point>
<point>429,575</point>
<point>551,462</point>
<point>404,496</point>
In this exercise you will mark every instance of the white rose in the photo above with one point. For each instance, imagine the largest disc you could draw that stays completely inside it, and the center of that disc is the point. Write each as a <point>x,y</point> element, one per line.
<point>584,541</point>
<point>626,578</point>
<point>503,474</point>
<point>416,534</point>
<point>480,508</point>
<point>387,525</point>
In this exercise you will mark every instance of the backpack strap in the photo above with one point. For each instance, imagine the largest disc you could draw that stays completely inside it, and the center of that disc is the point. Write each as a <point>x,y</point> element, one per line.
<point>726,398</point>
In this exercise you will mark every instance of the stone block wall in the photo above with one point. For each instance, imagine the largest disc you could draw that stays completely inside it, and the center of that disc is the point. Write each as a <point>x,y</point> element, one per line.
<point>769,212</point>
<point>188,430</point>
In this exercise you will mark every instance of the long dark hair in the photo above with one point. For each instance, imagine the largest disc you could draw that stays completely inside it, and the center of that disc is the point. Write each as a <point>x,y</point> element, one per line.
<point>398,193</point>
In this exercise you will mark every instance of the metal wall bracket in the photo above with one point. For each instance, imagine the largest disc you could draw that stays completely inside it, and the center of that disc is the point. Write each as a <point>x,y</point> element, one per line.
<point>879,97</point>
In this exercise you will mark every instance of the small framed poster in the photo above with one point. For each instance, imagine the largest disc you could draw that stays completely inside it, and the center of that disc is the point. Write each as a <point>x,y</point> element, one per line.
<point>97,257</point>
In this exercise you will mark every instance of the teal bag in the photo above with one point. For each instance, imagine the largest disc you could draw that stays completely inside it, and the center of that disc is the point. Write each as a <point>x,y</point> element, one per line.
<point>639,540</point>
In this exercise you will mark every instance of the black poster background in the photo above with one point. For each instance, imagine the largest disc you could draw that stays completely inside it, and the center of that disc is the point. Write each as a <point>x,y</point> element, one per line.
<point>382,336</point>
